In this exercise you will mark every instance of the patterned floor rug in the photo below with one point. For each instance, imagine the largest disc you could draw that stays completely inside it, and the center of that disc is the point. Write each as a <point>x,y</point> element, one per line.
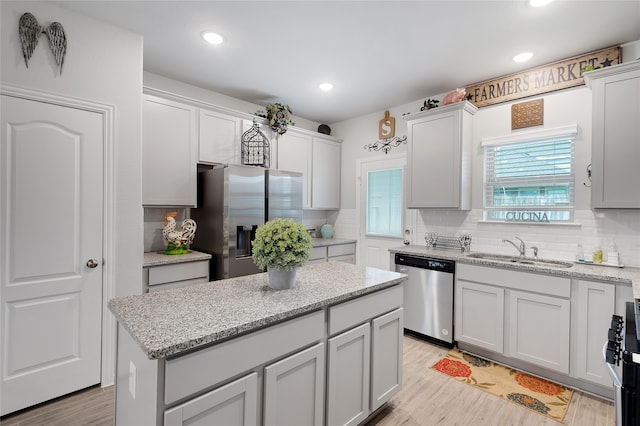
<point>541,396</point>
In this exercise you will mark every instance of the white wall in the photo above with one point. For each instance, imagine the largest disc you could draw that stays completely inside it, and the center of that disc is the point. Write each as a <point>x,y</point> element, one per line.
<point>103,64</point>
<point>570,106</point>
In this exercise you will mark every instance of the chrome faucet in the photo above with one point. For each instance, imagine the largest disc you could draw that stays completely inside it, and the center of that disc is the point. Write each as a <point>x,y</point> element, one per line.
<point>521,248</point>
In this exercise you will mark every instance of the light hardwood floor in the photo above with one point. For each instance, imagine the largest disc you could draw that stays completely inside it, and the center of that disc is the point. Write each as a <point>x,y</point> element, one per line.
<point>90,407</point>
<point>427,398</point>
<point>431,398</point>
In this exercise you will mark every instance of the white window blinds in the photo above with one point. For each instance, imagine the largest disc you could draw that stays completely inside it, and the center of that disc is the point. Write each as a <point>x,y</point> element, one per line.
<point>530,181</point>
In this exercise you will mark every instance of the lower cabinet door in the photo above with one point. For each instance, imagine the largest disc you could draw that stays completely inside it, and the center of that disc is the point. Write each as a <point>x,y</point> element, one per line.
<point>235,404</point>
<point>348,382</point>
<point>479,311</point>
<point>386,357</point>
<point>539,330</point>
<point>298,378</point>
<point>596,305</point>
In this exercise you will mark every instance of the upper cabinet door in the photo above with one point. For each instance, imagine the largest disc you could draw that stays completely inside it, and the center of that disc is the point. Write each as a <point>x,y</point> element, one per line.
<point>325,185</point>
<point>169,153</point>
<point>294,155</point>
<point>615,144</point>
<point>219,138</point>
<point>439,157</point>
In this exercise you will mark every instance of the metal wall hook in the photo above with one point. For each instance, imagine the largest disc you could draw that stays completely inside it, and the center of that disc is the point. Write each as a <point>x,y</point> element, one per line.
<point>588,176</point>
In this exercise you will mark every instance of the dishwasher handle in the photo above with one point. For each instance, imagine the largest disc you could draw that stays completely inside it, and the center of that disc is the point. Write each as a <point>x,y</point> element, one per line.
<point>402,269</point>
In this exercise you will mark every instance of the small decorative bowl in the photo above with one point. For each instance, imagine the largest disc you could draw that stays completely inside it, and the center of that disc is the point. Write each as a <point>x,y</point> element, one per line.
<point>326,231</point>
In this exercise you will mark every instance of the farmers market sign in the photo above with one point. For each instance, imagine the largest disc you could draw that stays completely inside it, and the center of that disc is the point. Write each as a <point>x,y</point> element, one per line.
<point>543,79</point>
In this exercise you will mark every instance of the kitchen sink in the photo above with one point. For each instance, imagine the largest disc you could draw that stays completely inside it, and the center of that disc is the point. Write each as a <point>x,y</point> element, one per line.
<point>521,260</point>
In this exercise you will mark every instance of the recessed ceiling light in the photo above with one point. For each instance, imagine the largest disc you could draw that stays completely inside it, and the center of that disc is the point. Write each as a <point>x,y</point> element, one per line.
<point>538,3</point>
<point>325,87</point>
<point>523,57</point>
<point>213,38</point>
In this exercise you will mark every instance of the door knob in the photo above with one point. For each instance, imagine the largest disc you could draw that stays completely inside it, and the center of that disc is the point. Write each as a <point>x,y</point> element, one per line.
<point>92,263</point>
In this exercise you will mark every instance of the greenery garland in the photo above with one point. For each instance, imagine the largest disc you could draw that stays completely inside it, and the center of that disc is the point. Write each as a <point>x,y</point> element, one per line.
<point>279,117</point>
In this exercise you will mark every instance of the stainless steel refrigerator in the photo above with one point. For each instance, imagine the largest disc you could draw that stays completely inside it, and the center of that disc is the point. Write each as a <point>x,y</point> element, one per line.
<point>233,201</point>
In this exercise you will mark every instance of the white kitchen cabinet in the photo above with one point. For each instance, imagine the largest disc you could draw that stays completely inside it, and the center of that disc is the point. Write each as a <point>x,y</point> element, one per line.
<point>162,277</point>
<point>318,255</point>
<point>364,359</point>
<point>539,330</point>
<point>615,129</point>
<point>595,306</point>
<point>319,161</point>
<point>479,312</point>
<point>299,378</point>
<point>169,153</point>
<point>219,140</point>
<point>339,252</point>
<point>294,154</point>
<point>232,404</point>
<point>323,367</point>
<point>439,157</point>
<point>387,333</point>
<point>325,183</point>
<point>519,315</point>
<point>349,374</point>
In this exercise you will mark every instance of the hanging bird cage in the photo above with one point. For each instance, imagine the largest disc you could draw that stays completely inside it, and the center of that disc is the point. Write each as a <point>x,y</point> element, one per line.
<point>255,147</point>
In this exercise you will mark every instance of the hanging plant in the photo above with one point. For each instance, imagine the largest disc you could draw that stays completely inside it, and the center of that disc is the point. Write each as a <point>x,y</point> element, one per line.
<point>279,117</point>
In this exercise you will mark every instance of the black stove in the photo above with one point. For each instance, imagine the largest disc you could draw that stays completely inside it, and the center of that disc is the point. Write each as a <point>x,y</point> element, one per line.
<point>623,345</point>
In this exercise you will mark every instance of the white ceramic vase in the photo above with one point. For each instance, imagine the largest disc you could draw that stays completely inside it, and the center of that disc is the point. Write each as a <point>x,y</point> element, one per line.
<point>281,279</point>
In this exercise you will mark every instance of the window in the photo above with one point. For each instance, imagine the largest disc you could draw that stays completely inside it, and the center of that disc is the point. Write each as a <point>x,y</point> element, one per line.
<point>384,203</point>
<point>530,179</point>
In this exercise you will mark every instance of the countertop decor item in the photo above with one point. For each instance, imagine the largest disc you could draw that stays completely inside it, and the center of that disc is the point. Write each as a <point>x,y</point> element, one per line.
<point>279,117</point>
<point>30,31</point>
<point>326,231</point>
<point>324,129</point>
<point>254,147</point>
<point>429,103</point>
<point>539,395</point>
<point>281,245</point>
<point>178,241</point>
<point>455,96</point>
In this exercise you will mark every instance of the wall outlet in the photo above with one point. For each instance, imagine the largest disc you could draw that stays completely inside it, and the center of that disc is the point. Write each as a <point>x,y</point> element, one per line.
<point>132,379</point>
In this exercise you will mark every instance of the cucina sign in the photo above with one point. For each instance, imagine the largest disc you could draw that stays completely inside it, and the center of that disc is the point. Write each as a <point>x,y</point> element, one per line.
<point>526,217</point>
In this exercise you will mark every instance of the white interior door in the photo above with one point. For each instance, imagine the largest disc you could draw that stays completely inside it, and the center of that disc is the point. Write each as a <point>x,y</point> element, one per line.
<point>51,196</point>
<point>381,208</point>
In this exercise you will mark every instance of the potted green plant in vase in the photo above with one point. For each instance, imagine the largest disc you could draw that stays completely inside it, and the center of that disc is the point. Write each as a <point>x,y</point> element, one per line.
<point>280,247</point>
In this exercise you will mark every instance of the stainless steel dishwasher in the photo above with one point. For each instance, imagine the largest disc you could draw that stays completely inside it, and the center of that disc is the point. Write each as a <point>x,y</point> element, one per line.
<point>428,297</point>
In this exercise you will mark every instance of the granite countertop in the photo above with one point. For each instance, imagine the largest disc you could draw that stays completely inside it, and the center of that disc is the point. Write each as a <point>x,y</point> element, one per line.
<point>159,258</point>
<point>627,275</point>
<point>168,322</point>
<point>322,242</point>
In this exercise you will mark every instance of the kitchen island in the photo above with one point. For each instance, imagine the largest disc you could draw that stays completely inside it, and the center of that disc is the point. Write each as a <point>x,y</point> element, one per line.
<point>236,352</point>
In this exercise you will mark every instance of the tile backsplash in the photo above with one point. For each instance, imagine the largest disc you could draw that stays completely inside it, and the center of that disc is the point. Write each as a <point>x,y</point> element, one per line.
<point>604,227</point>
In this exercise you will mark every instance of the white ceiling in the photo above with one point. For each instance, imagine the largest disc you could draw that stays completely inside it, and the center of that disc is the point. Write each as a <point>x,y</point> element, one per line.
<point>377,54</point>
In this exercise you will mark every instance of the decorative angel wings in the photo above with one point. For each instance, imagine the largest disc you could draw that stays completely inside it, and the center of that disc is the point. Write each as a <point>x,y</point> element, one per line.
<point>30,31</point>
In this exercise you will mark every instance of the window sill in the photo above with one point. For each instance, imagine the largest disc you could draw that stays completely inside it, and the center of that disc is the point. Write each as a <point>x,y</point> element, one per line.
<point>566,225</point>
